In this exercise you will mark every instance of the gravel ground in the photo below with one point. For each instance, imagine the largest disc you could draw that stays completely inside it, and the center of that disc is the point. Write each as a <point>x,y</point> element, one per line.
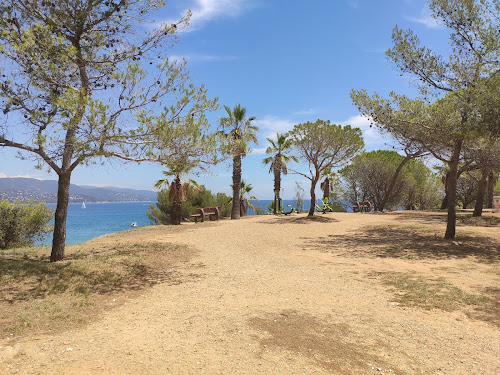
<point>287,295</point>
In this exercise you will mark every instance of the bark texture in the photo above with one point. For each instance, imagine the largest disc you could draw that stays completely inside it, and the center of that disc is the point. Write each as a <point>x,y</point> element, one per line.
<point>394,177</point>
<point>478,208</point>
<point>176,211</point>
<point>235,211</point>
<point>313,197</point>
<point>452,191</point>
<point>59,236</point>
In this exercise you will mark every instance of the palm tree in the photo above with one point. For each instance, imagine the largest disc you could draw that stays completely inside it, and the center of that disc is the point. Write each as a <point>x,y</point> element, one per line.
<point>244,202</point>
<point>278,163</point>
<point>327,183</point>
<point>177,193</point>
<point>240,133</point>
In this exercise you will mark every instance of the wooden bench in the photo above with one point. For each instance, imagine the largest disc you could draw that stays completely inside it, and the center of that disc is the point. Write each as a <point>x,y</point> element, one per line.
<point>364,206</point>
<point>207,212</point>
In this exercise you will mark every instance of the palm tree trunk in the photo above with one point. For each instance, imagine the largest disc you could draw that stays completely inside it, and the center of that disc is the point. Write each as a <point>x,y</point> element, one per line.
<point>478,208</point>
<point>326,188</point>
<point>277,187</point>
<point>59,236</point>
<point>176,211</point>
<point>235,211</point>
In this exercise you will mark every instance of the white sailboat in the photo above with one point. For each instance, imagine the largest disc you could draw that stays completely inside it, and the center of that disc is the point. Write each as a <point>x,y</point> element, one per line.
<point>83,205</point>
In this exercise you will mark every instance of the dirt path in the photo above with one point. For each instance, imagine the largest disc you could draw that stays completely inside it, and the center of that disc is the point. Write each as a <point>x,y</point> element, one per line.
<point>266,296</point>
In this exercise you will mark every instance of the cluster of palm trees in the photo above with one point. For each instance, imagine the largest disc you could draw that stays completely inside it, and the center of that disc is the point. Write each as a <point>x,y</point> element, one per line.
<point>242,132</point>
<point>238,132</point>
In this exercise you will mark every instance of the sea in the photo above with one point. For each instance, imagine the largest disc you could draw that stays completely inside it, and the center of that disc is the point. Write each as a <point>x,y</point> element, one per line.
<point>97,219</point>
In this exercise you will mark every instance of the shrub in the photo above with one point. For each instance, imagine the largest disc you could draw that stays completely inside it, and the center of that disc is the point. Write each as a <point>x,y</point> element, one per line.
<point>196,197</point>
<point>21,224</point>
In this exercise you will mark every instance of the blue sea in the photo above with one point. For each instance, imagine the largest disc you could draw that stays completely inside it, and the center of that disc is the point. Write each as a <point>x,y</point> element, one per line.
<point>98,219</point>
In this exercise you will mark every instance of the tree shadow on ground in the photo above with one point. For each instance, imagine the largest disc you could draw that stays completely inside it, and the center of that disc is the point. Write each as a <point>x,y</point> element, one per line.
<point>319,218</point>
<point>103,271</point>
<point>491,311</point>
<point>330,346</point>
<point>409,243</point>
<point>424,217</point>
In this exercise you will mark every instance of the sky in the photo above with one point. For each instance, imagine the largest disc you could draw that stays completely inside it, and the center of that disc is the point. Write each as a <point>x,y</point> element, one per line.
<point>287,62</point>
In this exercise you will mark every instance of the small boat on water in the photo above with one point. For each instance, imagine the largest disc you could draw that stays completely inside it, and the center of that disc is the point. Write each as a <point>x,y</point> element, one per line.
<point>134,224</point>
<point>83,205</point>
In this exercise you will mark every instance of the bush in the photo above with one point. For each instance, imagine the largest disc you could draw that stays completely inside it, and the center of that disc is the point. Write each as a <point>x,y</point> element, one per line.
<point>196,198</point>
<point>259,210</point>
<point>226,204</point>
<point>21,224</point>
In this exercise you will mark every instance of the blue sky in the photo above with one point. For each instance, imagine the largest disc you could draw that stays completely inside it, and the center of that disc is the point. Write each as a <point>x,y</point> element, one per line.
<point>287,62</point>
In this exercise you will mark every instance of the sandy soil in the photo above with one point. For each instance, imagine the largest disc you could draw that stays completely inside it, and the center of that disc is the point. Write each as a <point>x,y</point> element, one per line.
<point>267,295</point>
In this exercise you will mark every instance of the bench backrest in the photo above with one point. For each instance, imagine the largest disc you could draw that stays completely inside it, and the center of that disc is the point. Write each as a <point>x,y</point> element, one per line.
<point>208,210</point>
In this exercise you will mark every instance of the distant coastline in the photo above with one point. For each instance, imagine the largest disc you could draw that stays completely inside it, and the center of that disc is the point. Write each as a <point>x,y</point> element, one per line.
<point>23,189</point>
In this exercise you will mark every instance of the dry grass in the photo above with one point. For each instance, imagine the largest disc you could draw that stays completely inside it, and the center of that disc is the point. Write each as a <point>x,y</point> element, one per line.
<point>38,295</point>
<point>417,291</point>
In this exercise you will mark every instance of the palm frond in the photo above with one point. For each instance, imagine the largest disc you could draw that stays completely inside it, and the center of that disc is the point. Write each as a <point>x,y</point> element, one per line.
<point>161,183</point>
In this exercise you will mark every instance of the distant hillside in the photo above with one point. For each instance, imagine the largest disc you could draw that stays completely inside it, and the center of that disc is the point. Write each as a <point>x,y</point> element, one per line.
<point>46,190</point>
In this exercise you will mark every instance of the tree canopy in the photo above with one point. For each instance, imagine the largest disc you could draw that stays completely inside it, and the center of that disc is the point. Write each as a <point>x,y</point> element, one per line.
<point>324,145</point>
<point>83,80</point>
<point>461,84</point>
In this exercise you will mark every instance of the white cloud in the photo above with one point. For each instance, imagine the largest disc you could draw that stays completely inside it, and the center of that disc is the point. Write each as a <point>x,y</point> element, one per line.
<point>372,137</point>
<point>309,111</point>
<point>203,11</point>
<point>199,57</point>
<point>3,175</point>
<point>426,19</point>
<point>270,125</point>
<point>358,121</point>
<point>207,10</point>
<point>259,151</point>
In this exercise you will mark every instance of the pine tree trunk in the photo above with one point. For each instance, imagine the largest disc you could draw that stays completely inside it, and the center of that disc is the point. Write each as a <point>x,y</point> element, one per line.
<point>478,208</point>
<point>491,188</point>
<point>394,178</point>
<point>176,210</point>
<point>235,211</point>
<point>444,203</point>
<point>452,192</point>
<point>59,237</point>
<point>313,197</point>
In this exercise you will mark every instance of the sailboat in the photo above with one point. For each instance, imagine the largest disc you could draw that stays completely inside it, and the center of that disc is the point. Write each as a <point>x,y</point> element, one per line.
<point>83,205</point>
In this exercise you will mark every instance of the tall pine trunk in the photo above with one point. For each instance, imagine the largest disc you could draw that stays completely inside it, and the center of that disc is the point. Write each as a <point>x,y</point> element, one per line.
<point>394,178</point>
<point>478,208</point>
<point>452,191</point>
<point>176,211</point>
<point>444,203</point>
<point>313,197</point>
<point>491,189</point>
<point>235,211</point>
<point>59,236</point>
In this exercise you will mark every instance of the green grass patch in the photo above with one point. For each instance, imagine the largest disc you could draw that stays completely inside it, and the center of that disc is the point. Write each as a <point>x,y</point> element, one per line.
<point>412,290</point>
